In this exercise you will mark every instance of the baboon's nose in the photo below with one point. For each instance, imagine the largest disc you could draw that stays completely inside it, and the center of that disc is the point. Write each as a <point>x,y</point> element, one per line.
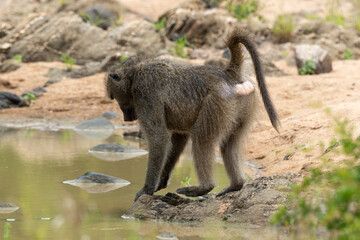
<point>114,76</point>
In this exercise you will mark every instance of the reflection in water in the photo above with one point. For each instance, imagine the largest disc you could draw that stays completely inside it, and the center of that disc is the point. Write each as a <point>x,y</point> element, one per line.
<point>115,152</point>
<point>33,165</point>
<point>97,183</point>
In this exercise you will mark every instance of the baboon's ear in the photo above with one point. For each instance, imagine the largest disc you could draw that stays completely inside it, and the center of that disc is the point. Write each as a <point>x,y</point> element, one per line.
<point>115,77</point>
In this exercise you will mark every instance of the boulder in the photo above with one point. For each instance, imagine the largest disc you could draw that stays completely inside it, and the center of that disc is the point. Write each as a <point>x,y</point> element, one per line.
<point>99,16</point>
<point>9,65</point>
<point>253,204</point>
<point>206,28</point>
<point>81,6</point>
<point>333,38</point>
<point>57,74</point>
<point>315,53</point>
<point>45,39</point>
<point>138,38</point>
<point>8,100</point>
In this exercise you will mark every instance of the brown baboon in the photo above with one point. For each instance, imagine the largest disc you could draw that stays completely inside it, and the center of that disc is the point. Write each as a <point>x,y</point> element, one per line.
<point>174,102</point>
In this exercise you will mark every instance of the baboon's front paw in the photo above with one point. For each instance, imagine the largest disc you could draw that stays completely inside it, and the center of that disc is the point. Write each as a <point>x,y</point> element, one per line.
<point>142,192</point>
<point>194,191</point>
<point>229,189</point>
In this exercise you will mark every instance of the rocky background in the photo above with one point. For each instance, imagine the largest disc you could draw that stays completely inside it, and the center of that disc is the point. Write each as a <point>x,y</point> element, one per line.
<point>54,55</point>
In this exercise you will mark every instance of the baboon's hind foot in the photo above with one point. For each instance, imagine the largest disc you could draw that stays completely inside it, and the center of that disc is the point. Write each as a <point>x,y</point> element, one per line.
<point>194,191</point>
<point>230,189</point>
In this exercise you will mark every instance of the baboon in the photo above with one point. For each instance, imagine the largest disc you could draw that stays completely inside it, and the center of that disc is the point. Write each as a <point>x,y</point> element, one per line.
<point>175,102</point>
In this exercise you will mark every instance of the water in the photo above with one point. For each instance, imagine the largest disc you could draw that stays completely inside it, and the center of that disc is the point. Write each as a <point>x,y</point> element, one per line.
<point>34,163</point>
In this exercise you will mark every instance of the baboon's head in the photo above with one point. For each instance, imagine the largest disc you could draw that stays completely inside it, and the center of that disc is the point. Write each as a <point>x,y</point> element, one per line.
<point>118,83</point>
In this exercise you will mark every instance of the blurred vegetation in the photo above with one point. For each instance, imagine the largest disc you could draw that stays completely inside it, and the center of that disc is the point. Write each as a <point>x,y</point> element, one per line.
<point>160,24</point>
<point>119,20</point>
<point>308,69</point>
<point>243,8</point>
<point>62,2</point>
<point>333,15</point>
<point>17,58</point>
<point>283,28</point>
<point>347,55</point>
<point>311,16</point>
<point>29,97</point>
<point>180,44</point>
<point>328,201</point>
<point>96,21</point>
<point>69,61</point>
<point>185,182</point>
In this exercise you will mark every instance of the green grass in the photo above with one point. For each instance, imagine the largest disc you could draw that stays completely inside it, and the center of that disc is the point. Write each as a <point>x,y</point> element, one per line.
<point>333,15</point>
<point>308,69</point>
<point>69,61</point>
<point>29,97</point>
<point>96,21</point>
<point>243,9</point>
<point>178,50</point>
<point>347,55</point>
<point>62,2</point>
<point>328,201</point>
<point>283,28</point>
<point>311,16</point>
<point>160,24</point>
<point>357,25</point>
<point>17,58</point>
<point>185,182</point>
<point>119,20</point>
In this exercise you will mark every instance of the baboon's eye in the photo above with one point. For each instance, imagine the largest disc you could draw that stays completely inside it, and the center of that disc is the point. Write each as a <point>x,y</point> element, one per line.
<point>114,77</point>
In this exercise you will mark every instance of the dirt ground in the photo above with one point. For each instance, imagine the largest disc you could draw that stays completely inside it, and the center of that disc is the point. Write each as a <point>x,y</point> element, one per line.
<point>300,100</point>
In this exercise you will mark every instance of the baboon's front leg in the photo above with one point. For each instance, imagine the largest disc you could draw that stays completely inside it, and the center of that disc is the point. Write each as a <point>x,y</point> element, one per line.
<point>178,143</point>
<point>153,124</point>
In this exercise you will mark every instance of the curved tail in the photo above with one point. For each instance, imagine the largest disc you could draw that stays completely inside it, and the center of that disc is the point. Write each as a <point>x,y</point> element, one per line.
<point>240,36</point>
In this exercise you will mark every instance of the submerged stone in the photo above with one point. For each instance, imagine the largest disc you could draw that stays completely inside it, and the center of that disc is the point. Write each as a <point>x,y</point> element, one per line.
<point>110,115</point>
<point>166,236</point>
<point>98,128</point>
<point>115,152</point>
<point>97,183</point>
<point>8,208</point>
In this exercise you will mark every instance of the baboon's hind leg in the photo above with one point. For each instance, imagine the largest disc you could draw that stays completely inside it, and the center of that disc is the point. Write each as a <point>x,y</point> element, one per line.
<point>233,157</point>
<point>204,157</point>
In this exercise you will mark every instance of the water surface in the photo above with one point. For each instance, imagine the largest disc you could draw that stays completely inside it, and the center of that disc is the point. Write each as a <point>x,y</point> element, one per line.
<point>34,163</point>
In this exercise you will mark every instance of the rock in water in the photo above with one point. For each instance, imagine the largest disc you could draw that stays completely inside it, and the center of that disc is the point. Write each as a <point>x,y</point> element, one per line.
<point>8,208</point>
<point>315,53</point>
<point>166,236</point>
<point>115,152</point>
<point>97,183</point>
<point>110,115</point>
<point>98,128</point>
